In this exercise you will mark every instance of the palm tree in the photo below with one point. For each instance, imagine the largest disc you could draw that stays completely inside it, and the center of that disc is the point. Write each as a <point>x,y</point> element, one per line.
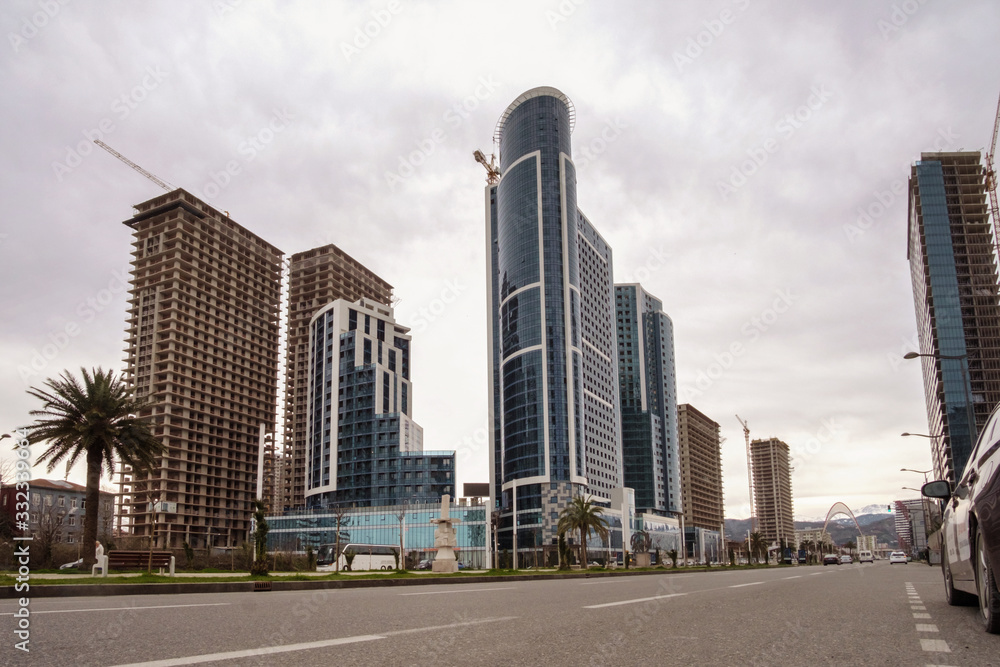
<point>583,516</point>
<point>757,544</point>
<point>96,419</point>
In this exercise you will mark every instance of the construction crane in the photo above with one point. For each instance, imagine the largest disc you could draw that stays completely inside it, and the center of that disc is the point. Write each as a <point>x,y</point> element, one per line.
<point>492,172</point>
<point>990,173</point>
<point>746,436</point>
<point>163,184</point>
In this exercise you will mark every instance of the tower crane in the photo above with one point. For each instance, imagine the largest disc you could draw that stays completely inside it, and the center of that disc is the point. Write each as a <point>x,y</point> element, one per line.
<point>492,171</point>
<point>163,184</point>
<point>990,174</point>
<point>746,436</point>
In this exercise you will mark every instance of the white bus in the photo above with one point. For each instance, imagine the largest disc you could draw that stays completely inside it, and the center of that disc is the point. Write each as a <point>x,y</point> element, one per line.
<point>366,557</point>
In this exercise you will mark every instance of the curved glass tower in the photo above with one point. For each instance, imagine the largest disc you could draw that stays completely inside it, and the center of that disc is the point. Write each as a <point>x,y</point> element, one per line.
<point>535,318</point>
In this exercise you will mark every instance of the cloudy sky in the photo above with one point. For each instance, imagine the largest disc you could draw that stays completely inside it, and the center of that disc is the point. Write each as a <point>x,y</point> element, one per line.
<point>746,160</point>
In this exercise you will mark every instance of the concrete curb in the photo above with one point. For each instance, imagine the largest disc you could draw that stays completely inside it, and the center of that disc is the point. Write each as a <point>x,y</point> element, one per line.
<point>102,590</point>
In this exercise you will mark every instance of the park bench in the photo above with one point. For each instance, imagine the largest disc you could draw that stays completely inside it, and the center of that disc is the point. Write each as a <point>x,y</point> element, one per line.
<point>134,560</point>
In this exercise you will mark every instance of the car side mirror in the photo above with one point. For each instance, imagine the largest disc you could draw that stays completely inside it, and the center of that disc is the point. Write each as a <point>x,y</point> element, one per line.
<point>940,489</point>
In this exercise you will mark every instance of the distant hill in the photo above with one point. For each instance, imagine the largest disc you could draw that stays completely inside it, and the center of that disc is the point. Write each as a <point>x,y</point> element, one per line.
<point>841,529</point>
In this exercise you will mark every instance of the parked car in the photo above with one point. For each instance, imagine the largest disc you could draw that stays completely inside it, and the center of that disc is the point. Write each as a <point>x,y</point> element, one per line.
<point>897,557</point>
<point>424,565</point>
<point>831,559</point>
<point>846,560</point>
<point>970,528</point>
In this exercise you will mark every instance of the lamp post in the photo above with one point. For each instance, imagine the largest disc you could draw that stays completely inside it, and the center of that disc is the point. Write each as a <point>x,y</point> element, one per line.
<point>970,414</point>
<point>921,472</point>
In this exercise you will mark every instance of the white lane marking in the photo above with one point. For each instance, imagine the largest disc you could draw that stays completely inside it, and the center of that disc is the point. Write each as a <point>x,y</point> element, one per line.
<point>625,580</point>
<point>813,574</point>
<point>254,652</point>
<point>798,576</point>
<point>464,590</point>
<point>165,606</point>
<point>936,645</point>
<point>917,607</point>
<point>926,627</point>
<point>752,583</point>
<point>636,601</point>
<point>480,621</point>
<point>917,614</point>
<point>305,646</point>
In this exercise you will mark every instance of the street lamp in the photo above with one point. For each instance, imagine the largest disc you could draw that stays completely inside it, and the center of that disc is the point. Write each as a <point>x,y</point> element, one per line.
<point>922,472</point>
<point>970,415</point>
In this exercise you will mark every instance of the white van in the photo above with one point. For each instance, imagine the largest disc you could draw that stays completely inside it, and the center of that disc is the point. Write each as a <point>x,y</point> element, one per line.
<point>865,557</point>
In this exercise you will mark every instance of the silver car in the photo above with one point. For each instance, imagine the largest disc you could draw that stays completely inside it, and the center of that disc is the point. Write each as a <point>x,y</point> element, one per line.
<point>970,532</point>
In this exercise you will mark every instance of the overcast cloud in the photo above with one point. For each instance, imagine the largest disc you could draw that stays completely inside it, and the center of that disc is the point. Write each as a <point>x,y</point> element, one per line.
<point>746,160</point>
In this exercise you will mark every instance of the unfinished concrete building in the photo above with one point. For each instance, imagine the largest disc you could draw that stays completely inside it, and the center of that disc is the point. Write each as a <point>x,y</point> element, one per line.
<point>317,277</point>
<point>701,469</point>
<point>954,276</point>
<point>202,337</point>
<point>772,490</point>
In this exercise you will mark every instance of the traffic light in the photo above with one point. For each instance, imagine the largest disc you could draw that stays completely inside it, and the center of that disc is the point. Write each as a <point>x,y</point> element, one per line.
<point>890,508</point>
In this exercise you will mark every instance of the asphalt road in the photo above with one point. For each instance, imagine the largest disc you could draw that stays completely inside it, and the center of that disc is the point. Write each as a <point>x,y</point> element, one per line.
<point>872,614</point>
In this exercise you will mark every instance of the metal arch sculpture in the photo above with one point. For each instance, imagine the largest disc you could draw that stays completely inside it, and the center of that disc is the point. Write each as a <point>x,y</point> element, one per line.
<point>841,508</point>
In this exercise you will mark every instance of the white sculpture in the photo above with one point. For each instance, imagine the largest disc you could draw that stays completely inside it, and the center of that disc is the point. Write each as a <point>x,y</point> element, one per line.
<point>445,539</point>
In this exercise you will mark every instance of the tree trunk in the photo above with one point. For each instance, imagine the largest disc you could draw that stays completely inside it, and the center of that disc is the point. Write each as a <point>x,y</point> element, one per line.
<point>583,549</point>
<point>93,496</point>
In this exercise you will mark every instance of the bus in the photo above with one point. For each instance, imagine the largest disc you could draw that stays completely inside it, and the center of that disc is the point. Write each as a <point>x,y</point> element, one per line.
<point>366,556</point>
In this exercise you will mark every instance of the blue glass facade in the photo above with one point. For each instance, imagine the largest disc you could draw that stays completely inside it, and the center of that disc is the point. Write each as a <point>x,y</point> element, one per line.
<point>647,380</point>
<point>555,409</point>
<point>535,268</point>
<point>295,531</point>
<point>535,311</point>
<point>953,271</point>
<point>363,447</point>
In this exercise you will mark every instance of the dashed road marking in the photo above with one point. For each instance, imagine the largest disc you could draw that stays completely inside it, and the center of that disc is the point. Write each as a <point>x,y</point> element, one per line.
<point>935,645</point>
<point>926,627</point>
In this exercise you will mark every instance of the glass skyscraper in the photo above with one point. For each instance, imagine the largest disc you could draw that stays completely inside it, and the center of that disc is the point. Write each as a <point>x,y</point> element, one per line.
<point>363,447</point>
<point>648,389</point>
<point>954,276</point>
<point>556,430</point>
